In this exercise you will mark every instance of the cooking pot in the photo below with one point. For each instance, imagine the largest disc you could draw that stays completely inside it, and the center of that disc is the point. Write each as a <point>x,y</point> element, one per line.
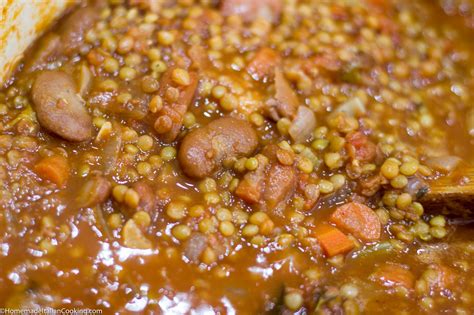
<point>21,22</point>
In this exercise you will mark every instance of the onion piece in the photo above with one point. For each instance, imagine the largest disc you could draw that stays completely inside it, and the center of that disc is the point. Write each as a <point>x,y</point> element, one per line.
<point>111,150</point>
<point>85,79</point>
<point>446,163</point>
<point>303,124</point>
<point>133,236</point>
<point>353,107</point>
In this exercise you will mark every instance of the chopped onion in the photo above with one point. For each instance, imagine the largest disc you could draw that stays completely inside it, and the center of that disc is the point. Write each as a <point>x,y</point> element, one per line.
<point>111,151</point>
<point>303,124</point>
<point>353,107</point>
<point>446,163</point>
<point>85,79</point>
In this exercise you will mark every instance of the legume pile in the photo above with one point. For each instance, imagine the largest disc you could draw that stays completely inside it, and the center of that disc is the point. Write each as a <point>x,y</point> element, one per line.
<point>239,156</point>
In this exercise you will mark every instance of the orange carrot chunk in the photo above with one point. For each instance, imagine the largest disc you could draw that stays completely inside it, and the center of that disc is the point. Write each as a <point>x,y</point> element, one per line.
<point>332,240</point>
<point>359,220</point>
<point>249,191</point>
<point>394,275</point>
<point>53,168</point>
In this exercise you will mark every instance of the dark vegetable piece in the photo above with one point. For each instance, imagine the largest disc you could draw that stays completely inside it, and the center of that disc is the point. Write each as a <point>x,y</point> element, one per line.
<point>59,108</point>
<point>342,195</point>
<point>95,191</point>
<point>351,75</point>
<point>203,150</point>
<point>373,250</point>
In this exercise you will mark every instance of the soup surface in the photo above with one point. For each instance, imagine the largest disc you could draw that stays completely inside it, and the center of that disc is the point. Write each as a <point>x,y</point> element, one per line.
<point>239,156</point>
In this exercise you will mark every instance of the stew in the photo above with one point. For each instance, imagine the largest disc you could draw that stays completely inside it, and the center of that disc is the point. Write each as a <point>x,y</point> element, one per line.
<point>239,157</point>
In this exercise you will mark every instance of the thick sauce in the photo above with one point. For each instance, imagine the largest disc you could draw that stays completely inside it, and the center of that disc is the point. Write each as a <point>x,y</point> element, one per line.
<point>238,156</point>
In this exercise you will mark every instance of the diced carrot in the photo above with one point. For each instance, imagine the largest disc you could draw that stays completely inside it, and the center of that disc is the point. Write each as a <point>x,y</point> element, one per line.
<point>263,64</point>
<point>248,191</point>
<point>53,168</point>
<point>359,220</point>
<point>394,275</point>
<point>332,240</point>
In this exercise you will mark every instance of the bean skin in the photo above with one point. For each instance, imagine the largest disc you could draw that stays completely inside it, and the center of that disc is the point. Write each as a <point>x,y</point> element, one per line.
<point>75,27</point>
<point>59,108</point>
<point>203,150</point>
<point>95,191</point>
<point>147,196</point>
